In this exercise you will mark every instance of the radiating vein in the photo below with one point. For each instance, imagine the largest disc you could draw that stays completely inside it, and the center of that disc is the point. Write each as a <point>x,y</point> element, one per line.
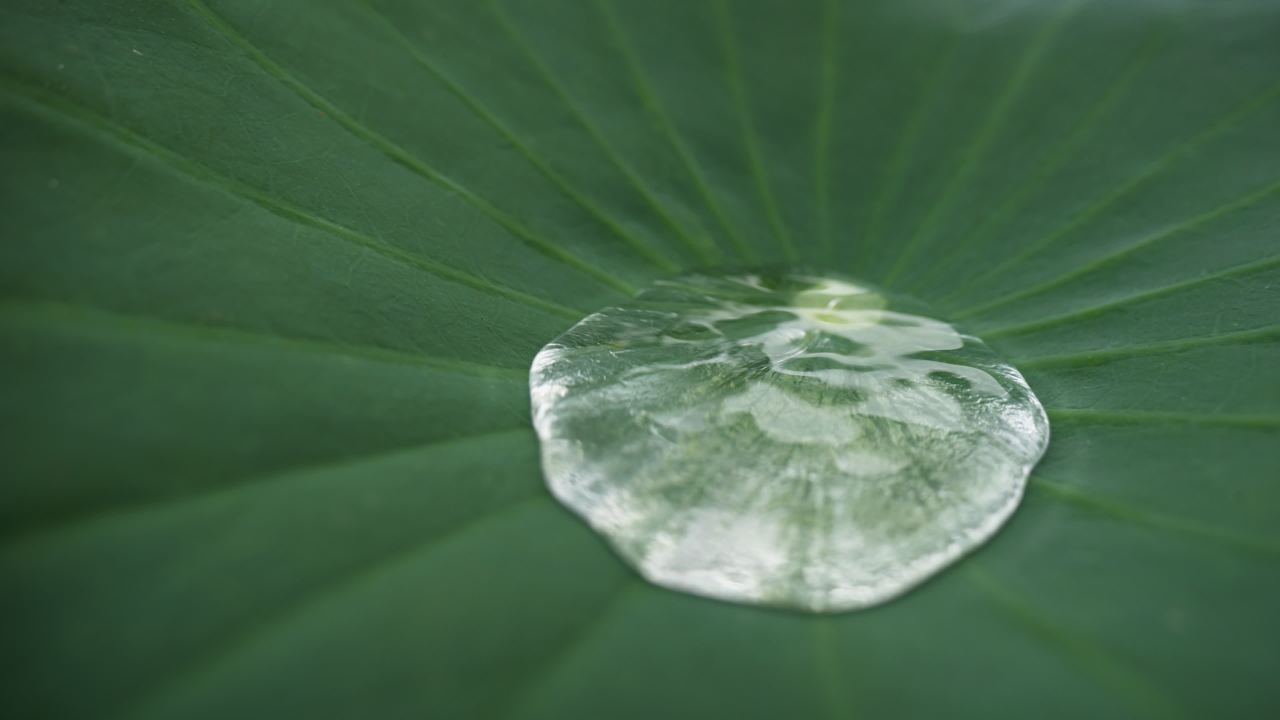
<point>829,72</point>
<point>1248,200</point>
<point>70,315</point>
<point>402,157</point>
<point>658,110</point>
<point>588,628</point>
<point>58,108</point>
<point>747,128</point>
<point>1124,352</point>
<point>1067,148</point>
<point>1089,658</point>
<point>1153,170</point>
<point>1135,516</point>
<point>1087,416</point>
<point>894,173</point>
<point>1088,313</point>
<point>253,633</point>
<point>42,527</point>
<point>701,246</point>
<point>827,661</point>
<point>544,168</point>
<point>973,155</point>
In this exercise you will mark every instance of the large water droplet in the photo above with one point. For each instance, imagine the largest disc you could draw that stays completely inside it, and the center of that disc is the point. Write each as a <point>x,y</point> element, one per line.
<point>783,439</point>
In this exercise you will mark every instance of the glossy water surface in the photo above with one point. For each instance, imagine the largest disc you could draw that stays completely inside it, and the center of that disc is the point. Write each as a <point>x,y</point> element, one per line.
<point>783,439</point>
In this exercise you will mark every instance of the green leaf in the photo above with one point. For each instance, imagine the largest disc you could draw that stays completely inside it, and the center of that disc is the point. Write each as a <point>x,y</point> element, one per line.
<point>274,270</point>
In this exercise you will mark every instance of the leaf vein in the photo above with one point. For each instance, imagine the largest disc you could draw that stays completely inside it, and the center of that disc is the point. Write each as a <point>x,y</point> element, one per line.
<point>702,247</point>
<point>1093,311</point>
<point>1090,416</point>
<point>1065,150</point>
<point>747,128</point>
<point>81,315</point>
<point>656,107</point>
<point>535,160</point>
<point>1248,200</point>
<point>59,108</point>
<point>401,157</point>
<point>1128,515</point>
<point>973,155</point>
<point>1102,356</point>
<point>1152,171</point>
<point>184,676</point>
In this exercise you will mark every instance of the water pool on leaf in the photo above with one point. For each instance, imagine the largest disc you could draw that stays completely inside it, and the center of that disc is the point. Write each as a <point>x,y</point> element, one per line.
<point>783,438</point>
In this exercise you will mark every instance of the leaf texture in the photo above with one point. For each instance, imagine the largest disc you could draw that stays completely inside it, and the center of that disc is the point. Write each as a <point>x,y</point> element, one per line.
<point>273,272</point>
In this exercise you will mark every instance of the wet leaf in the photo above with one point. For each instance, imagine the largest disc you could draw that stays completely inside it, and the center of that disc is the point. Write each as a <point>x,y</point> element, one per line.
<point>274,272</point>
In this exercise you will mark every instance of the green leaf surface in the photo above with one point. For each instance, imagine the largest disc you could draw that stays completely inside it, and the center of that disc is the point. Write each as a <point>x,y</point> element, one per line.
<point>273,272</point>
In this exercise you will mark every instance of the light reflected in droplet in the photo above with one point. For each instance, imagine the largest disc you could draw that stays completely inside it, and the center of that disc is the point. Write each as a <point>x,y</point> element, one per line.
<point>783,439</point>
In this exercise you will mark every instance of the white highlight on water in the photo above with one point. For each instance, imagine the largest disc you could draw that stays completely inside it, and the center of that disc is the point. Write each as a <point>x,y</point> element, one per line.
<point>784,440</point>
